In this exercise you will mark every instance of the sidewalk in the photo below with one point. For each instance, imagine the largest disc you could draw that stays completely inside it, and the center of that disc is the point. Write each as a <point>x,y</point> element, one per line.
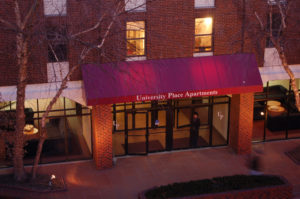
<point>134,174</point>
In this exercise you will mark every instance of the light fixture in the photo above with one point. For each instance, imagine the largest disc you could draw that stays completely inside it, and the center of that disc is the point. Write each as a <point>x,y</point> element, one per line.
<point>53,177</point>
<point>262,113</point>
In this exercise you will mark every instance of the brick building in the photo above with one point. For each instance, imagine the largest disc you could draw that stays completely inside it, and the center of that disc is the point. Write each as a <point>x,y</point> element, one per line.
<point>163,61</point>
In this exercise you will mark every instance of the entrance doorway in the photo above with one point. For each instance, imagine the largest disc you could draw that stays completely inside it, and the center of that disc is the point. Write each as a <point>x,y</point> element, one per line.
<point>142,128</point>
<point>137,141</point>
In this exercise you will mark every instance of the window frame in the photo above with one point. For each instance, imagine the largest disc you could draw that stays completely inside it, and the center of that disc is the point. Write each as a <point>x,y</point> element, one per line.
<point>61,53</point>
<point>275,30</point>
<point>139,8</point>
<point>54,12</point>
<point>132,39</point>
<point>205,6</point>
<point>199,35</point>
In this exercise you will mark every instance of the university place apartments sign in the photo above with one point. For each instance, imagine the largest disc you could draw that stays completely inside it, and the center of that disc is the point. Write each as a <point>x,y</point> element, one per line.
<point>176,95</point>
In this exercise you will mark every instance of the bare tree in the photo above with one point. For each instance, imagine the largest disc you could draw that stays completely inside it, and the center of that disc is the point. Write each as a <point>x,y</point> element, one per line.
<point>26,24</point>
<point>258,24</point>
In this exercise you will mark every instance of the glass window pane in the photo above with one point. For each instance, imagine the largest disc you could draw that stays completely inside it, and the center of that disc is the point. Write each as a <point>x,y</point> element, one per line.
<point>135,5</point>
<point>43,103</point>
<point>135,29</point>
<point>157,139</point>
<point>119,143</point>
<point>13,105</point>
<point>70,103</point>
<point>30,108</point>
<point>184,116</point>
<point>203,43</point>
<point>220,124</point>
<point>276,123</point>
<point>221,99</point>
<point>85,110</point>
<point>259,115</point>
<point>203,25</point>
<point>120,123</point>
<point>136,47</point>
<point>54,148</point>
<point>277,107</point>
<point>78,139</point>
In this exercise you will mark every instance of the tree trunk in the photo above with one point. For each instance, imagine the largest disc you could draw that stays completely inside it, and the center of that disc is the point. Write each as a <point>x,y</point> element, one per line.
<point>291,75</point>
<point>18,150</point>
<point>45,115</point>
<point>38,153</point>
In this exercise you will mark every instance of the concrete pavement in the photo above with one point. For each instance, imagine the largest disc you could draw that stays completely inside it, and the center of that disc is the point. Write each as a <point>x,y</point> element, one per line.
<point>131,175</point>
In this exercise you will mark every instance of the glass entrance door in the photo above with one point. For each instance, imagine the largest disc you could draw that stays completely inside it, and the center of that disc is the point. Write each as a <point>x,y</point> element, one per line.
<point>142,128</point>
<point>181,133</point>
<point>136,141</point>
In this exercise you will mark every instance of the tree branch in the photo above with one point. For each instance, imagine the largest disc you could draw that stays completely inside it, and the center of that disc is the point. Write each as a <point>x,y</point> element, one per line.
<point>8,24</point>
<point>282,14</point>
<point>90,29</point>
<point>26,18</point>
<point>18,15</point>
<point>259,20</point>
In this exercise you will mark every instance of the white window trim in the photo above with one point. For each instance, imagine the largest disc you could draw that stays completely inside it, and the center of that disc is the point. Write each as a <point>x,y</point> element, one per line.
<point>129,7</point>
<point>56,71</point>
<point>205,6</point>
<point>203,54</point>
<point>138,58</point>
<point>52,11</point>
<point>273,2</point>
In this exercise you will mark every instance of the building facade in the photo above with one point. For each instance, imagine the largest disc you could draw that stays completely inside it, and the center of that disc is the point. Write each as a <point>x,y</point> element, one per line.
<point>118,109</point>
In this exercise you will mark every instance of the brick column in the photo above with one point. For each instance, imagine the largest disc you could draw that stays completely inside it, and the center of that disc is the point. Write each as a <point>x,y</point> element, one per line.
<point>102,136</point>
<point>241,123</point>
<point>2,149</point>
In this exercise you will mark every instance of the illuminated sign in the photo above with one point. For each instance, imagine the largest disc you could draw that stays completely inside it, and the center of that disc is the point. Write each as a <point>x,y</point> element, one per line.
<point>176,95</point>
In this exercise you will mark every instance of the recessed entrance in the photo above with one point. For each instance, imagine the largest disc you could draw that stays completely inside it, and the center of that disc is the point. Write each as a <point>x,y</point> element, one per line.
<point>142,128</point>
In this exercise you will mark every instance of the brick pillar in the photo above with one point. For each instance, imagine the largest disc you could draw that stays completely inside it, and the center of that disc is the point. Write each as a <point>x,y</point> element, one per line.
<point>102,136</point>
<point>241,123</point>
<point>2,149</point>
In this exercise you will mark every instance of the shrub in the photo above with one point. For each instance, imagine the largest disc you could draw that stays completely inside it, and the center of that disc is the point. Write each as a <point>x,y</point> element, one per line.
<point>215,185</point>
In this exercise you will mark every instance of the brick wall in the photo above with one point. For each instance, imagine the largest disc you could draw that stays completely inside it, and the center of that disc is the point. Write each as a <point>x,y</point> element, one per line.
<point>2,149</point>
<point>102,136</point>
<point>169,33</point>
<point>241,122</point>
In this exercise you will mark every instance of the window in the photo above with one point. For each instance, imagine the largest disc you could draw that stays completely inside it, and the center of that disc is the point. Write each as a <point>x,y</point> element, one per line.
<point>57,71</point>
<point>135,36</point>
<point>57,45</point>
<point>203,34</point>
<point>273,2</point>
<point>55,7</point>
<point>69,132</point>
<point>135,5</point>
<point>276,23</point>
<point>204,3</point>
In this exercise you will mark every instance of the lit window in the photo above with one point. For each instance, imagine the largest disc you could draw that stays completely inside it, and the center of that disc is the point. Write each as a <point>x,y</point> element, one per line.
<point>203,34</point>
<point>135,36</point>
<point>55,7</point>
<point>135,5</point>
<point>204,3</point>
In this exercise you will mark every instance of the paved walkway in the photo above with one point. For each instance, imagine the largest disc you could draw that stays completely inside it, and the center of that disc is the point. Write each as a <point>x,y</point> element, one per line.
<point>134,174</point>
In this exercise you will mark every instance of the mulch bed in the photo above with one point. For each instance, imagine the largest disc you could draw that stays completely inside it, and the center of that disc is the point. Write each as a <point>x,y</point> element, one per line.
<point>40,184</point>
<point>294,155</point>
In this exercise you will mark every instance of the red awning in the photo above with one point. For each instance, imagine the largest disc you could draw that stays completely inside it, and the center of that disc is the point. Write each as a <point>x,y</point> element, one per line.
<point>170,78</point>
